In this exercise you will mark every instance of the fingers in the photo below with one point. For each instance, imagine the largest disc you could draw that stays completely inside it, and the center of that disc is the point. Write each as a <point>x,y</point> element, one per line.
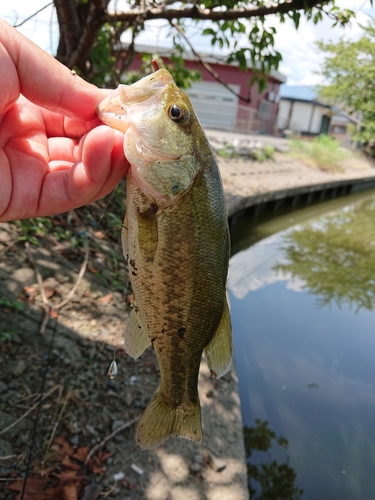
<point>9,83</point>
<point>102,166</point>
<point>59,126</point>
<point>42,79</point>
<point>62,149</point>
<point>98,146</point>
<point>51,184</point>
<point>120,164</point>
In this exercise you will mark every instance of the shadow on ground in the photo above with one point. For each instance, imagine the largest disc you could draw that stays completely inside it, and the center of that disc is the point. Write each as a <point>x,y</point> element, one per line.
<point>81,406</point>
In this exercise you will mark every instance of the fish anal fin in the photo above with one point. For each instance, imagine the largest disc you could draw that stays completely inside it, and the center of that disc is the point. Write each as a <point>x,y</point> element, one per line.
<point>219,350</point>
<point>161,420</point>
<point>136,335</point>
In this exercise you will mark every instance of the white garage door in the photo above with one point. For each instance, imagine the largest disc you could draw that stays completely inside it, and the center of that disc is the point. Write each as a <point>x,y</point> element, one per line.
<point>214,104</point>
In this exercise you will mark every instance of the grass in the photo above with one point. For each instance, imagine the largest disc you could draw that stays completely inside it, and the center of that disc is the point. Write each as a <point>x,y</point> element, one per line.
<point>19,306</point>
<point>6,336</point>
<point>266,152</point>
<point>322,152</point>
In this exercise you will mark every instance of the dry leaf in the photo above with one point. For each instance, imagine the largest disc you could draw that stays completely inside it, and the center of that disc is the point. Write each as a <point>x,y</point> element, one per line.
<point>68,476</point>
<point>49,292</point>
<point>70,491</point>
<point>98,470</point>
<point>47,472</point>
<point>92,270</point>
<point>65,447</point>
<point>104,456</point>
<point>70,485</point>
<point>106,299</point>
<point>99,234</point>
<point>81,453</point>
<point>71,465</point>
<point>36,488</point>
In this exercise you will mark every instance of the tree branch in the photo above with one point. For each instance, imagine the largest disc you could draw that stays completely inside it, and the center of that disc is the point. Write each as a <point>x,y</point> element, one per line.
<point>125,425</point>
<point>207,67</point>
<point>69,25</point>
<point>32,15</point>
<point>195,12</point>
<point>95,19</point>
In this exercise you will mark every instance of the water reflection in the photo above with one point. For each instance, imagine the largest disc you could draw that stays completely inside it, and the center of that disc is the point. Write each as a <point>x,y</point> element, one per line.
<point>334,256</point>
<point>309,371</point>
<point>269,479</point>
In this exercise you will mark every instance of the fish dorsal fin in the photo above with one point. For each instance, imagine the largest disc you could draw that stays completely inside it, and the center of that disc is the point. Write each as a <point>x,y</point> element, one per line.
<point>136,336</point>
<point>219,351</point>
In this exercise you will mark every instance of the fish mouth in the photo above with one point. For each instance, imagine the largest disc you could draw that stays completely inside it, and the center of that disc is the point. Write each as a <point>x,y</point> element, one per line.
<point>114,110</point>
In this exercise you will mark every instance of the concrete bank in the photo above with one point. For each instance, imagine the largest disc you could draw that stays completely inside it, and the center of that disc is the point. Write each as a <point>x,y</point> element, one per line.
<point>248,183</point>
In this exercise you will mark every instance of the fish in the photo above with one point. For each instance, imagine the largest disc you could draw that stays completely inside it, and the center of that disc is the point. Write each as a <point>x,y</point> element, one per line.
<point>176,243</point>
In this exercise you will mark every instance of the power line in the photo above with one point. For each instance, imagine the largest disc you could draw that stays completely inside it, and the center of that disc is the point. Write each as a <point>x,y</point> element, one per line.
<point>32,15</point>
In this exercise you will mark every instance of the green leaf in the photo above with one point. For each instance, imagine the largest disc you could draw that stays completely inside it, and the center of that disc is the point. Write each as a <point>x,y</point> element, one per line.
<point>208,31</point>
<point>348,67</point>
<point>296,18</point>
<point>19,306</point>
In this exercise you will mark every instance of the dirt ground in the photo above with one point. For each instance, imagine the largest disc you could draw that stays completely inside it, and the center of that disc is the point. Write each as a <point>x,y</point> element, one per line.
<point>63,422</point>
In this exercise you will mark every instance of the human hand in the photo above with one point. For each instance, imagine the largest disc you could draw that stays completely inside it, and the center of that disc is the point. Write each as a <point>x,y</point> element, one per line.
<point>54,154</point>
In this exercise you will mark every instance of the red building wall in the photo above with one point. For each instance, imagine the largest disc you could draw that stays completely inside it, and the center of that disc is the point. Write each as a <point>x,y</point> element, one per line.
<point>232,75</point>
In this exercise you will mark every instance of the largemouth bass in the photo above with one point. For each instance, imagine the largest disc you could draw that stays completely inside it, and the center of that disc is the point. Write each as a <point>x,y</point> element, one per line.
<point>176,242</point>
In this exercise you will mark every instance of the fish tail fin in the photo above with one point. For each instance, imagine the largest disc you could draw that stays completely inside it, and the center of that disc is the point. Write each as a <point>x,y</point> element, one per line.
<point>161,420</point>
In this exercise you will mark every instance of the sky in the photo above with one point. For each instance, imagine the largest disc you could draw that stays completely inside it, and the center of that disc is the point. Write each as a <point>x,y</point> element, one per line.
<point>301,60</point>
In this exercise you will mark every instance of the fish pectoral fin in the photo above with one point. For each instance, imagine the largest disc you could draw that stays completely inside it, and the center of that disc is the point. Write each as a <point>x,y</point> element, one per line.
<point>161,420</point>
<point>136,335</point>
<point>219,351</point>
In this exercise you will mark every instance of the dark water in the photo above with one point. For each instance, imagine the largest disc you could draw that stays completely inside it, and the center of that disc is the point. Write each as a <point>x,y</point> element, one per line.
<point>302,301</point>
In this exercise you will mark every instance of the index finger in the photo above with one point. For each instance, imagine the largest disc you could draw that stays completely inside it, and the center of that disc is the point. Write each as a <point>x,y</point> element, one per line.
<point>43,80</point>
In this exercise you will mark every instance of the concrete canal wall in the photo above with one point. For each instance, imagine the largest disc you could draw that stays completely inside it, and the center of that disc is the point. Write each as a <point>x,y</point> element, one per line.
<point>248,183</point>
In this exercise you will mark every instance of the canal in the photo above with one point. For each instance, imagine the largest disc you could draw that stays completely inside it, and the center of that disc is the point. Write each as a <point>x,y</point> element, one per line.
<point>302,294</point>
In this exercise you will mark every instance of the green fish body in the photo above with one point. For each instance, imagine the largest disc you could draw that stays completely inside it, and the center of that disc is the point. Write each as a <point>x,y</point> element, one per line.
<point>176,242</point>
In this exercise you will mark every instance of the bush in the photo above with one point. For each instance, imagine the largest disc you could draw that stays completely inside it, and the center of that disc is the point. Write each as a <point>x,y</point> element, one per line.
<point>323,152</point>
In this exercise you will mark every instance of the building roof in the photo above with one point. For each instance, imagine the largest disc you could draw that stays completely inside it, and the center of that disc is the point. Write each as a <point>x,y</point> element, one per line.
<point>305,93</point>
<point>300,92</point>
<point>210,58</point>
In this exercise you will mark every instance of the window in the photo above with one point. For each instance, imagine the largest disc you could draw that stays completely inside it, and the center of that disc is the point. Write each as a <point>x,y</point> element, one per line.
<point>339,129</point>
<point>264,111</point>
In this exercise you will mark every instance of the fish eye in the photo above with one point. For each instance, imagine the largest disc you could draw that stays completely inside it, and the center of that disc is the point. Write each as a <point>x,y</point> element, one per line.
<point>177,114</point>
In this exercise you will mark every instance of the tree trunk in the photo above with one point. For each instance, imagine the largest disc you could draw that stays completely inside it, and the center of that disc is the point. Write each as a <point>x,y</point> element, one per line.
<point>79,24</point>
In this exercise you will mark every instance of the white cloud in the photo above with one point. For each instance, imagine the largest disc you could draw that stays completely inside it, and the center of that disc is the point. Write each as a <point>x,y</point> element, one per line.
<point>252,269</point>
<point>297,46</point>
<point>311,80</point>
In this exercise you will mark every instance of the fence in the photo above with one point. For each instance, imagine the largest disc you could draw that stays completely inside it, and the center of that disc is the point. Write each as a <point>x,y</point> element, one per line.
<point>255,121</point>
